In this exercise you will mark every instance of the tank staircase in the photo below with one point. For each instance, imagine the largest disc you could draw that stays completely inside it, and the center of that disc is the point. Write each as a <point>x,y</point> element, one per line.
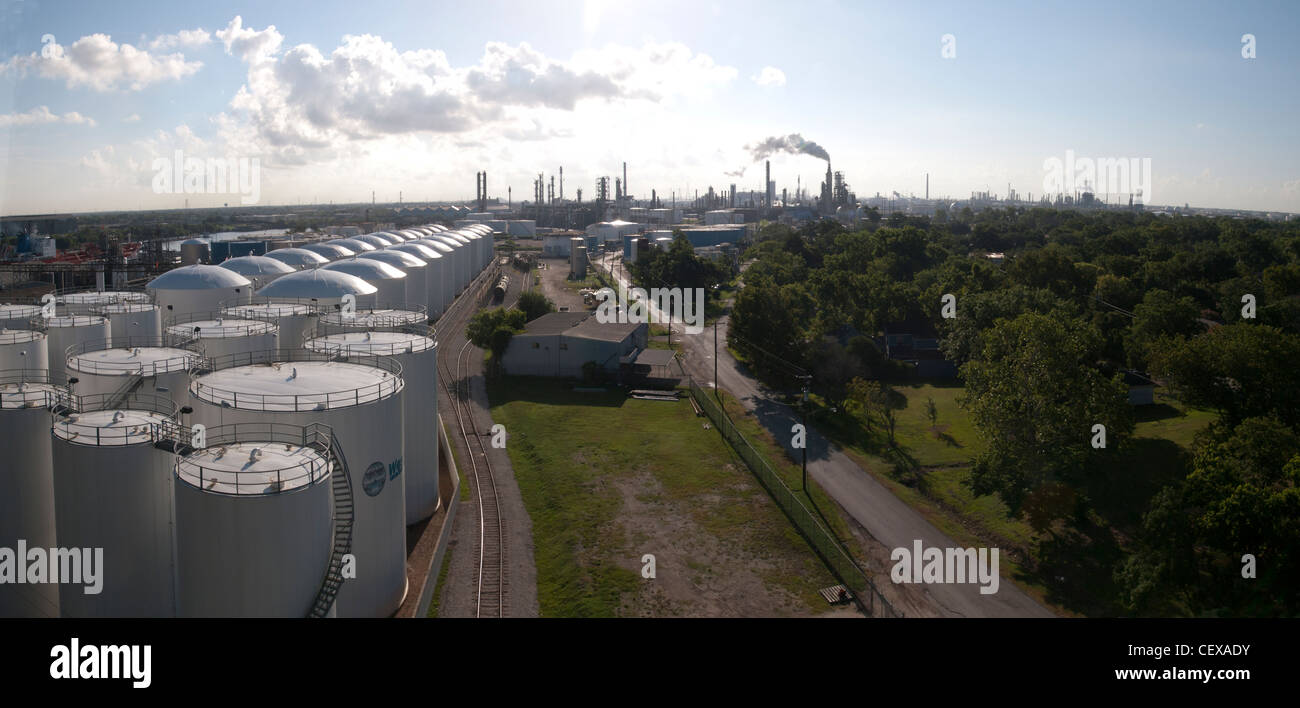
<point>327,444</point>
<point>127,388</point>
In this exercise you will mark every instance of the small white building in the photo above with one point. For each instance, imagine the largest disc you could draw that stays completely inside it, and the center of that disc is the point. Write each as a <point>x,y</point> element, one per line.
<point>559,344</point>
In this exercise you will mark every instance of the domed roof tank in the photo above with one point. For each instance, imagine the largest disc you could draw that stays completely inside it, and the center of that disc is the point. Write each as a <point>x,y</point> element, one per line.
<point>197,288</point>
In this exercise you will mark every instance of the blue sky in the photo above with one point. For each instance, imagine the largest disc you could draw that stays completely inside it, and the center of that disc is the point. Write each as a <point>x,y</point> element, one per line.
<point>669,87</point>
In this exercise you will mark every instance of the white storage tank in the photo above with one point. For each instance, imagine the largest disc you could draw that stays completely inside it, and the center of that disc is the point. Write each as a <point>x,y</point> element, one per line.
<point>198,288</point>
<point>448,269</point>
<point>326,288</point>
<point>416,269</point>
<point>254,526</point>
<point>435,277</point>
<point>298,258</point>
<point>355,245</point>
<point>90,302</point>
<point>361,400</point>
<point>18,316</point>
<point>27,484</point>
<point>260,270</point>
<point>411,317</point>
<point>329,251</point>
<point>418,355</point>
<point>24,349</point>
<point>460,261</point>
<point>132,319</point>
<point>66,331</point>
<point>390,281</point>
<point>293,320</point>
<point>194,251</point>
<point>162,366</point>
<point>378,240</point>
<point>113,491</point>
<point>225,336</point>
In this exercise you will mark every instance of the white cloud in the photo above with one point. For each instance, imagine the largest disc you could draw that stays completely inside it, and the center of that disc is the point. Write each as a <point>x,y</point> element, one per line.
<point>250,45</point>
<point>769,76</point>
<point>41,115</point>
<point>133,118</point>
<point>100,63</point>
<point>185,38</point>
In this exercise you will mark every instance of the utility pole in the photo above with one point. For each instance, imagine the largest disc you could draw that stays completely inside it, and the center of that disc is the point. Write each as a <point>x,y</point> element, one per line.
<point>716,395</point>
<point>804,411</point>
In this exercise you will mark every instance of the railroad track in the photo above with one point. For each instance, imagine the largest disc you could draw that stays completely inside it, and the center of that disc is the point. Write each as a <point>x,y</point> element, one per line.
<point>492,579</point>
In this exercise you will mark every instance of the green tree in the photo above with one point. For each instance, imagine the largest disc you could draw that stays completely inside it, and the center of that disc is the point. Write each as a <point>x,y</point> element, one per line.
<point>492,329</point>
<point>534,304</point>
<point>764,330</point>
<point>932,411</point>
<point>1160,314</point>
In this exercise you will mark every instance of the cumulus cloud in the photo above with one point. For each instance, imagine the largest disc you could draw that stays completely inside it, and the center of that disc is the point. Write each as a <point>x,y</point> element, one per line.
<point>185,38</point>
<point>133,118</point>
<point>521,76</point>
<point>769,76</point>
<point>41,115</point>
<point>96,61</point>
<point>249,44</point>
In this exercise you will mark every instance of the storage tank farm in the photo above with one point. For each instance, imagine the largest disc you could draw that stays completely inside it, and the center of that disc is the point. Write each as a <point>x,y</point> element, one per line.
<point>259,270</point>
<point>197,288</point>
<point>222,336</point>
<point>327,289</point>
<point>384,316</point>
<point>294,321</point>
<point>460,261</point>
<point>27,398</point>
<point>297,258</point>
<point>435,277</point>
<point>132,319</point>
<point>254,527</point>
<point>379,240</point>
<point>360,398</point>
<point>415,268</point>
<point>417,353</point>
<point>18,316</point>
<point>90,302</point>
<point>448,268</point>
<point>390,282</point>
<point>24,349</point>
<point>158,366</point>
<point>352,244</point>
<point>67,331</point>
<point>113,491</point>
<point>330,251</point>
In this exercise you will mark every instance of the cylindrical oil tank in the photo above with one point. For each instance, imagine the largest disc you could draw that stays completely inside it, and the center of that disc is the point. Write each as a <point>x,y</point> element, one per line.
<point>254,527</point>
<point>379,241</point>
<point>447,269</point>
<point>298,258</point>
<point>90,302</point>
<point>198,288</point>
<point>361,400</point>
<point>223,336</point>
<point>194,251</point>
<point>354,245</point>
<point>418,355</point>
<point>416,269</point>
<point>132,319</point>
<point>391,282</point>
<point>113,491</point>
<point>433,273</point>
<point>260,270</point>
<point>330,251</point>
<point>410,317</point>
<point>293,320</point>
<point>27,483</point>
<point>162,365</point>
<point>18,316</point>
<point>327,289</point>
<point>460,261</point>
<point>65,331</point>
<point>24,349</point>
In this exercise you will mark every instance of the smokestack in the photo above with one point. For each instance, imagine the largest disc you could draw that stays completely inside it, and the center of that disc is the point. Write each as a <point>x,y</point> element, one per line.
<point>767,182</point>
<point>625,179</point>
<point>561,182</point>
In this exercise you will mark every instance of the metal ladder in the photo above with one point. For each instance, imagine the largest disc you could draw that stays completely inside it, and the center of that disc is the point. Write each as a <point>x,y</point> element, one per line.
<point>127,388</point>
<point>343,516</point>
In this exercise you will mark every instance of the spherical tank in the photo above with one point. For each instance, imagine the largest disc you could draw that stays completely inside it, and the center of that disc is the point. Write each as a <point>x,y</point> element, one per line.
<point>361,400</point>
<point>198,288</point>
<point>113,494</point>
<point>253,523</point>
<point>27,483</point>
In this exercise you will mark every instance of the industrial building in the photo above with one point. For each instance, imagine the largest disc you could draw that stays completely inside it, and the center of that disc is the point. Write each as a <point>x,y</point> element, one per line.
<point>560,343</point>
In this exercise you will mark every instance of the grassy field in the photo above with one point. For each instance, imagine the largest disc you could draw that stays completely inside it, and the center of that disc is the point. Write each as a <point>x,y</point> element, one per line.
<point>608,478</point>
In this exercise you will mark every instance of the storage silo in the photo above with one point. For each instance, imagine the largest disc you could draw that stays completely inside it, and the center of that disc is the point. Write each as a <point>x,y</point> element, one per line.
<point>132,319</point>
<point>27,398</point>
<point>326,288</point>
<point>361,400</point>
<point>156,366</point>
<point>460,261</point>
<point>293,320</point>
<point>113,491</point>
<point>65,331</point>
<point>260,270</point>
<point>89,302</point>
<point>448,267</point>
<point>24,349</point>
<point>223,336</point>
<point>580,263</point>
<point>416,269</point>
<point>433,273</point>
<point>356,246</point>
<point>194,251</point>
<point>254,527</point>
<point>418,356</point>
<point>198,288</point>
<point>298,258</point>
<point>379,241</point>
<point>390,281</point>
<point>330,251</point>
<point>18,316</point>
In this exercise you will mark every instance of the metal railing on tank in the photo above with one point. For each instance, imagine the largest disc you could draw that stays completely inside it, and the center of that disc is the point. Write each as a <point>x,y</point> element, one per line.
<point>69,426</point>
<point>189,344</point>
<point>210,324</point>
<point>33,388</point>
<point>270,309</point>
<point>283,360</point>
<point>380,316</point>
<point>245,482</point>
<point>422,342</point>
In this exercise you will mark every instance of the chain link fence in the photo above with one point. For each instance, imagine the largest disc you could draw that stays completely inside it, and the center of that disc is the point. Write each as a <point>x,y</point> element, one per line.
<point>824,542</point>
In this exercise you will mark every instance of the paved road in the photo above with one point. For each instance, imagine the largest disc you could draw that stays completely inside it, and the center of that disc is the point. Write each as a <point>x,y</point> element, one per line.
<point>886,517</point>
